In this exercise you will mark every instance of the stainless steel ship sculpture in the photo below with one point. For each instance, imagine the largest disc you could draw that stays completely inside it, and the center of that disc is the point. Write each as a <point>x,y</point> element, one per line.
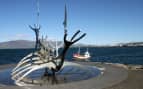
<point>45,56</point>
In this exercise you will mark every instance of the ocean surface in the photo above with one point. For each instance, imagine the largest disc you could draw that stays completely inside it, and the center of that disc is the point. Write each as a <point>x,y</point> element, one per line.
<point>125,55</point>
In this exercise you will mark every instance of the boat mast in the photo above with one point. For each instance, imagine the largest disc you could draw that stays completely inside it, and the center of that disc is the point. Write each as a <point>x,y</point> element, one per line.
<point>87,49</point>
<point>79,50</point>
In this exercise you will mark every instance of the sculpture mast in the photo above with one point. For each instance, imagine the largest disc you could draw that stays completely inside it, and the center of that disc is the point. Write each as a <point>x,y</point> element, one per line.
<point>36,27</point>
<point>38,13</point>
<point>65,31</point>
<point>65,20</point>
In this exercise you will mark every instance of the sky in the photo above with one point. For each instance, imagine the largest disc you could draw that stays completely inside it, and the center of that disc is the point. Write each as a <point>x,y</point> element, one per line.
<point>104,21</point>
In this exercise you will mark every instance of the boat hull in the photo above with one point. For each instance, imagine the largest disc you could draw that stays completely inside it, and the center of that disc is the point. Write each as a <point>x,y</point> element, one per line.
<point>81,58</point>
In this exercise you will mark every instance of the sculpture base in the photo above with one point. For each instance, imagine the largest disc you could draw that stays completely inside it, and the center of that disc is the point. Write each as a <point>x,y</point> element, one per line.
<point>70,72</point>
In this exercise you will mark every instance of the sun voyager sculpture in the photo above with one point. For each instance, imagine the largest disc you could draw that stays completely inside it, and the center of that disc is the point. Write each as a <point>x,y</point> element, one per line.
<point>45,56</point>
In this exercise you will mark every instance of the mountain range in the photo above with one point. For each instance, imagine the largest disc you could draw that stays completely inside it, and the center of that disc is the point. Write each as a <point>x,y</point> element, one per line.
<point>25,44</point>
<point>17,44</point>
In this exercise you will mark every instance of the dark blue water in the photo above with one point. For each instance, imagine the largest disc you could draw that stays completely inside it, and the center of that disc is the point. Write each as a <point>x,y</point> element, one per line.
<point>126,55</point>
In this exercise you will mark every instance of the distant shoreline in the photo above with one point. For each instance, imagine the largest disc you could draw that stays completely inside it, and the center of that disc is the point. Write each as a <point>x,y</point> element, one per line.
<point>27,44</point>
<point>81,46</point>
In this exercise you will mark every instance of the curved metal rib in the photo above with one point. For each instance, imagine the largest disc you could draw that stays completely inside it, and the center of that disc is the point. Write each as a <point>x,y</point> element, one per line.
<point>33,68</point>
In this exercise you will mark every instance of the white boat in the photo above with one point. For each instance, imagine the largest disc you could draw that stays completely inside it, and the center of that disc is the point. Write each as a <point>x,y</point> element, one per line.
<point>78,56</point>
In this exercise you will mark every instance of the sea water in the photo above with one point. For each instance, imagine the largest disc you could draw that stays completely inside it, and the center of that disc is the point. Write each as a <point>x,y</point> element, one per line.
<point>125,55</point>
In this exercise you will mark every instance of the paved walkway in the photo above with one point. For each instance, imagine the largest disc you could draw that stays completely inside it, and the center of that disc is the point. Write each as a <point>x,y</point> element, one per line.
<point>111,76</point>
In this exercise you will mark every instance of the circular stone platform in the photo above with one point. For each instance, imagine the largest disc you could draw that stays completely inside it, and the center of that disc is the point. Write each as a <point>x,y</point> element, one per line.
<point>70,72</point>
